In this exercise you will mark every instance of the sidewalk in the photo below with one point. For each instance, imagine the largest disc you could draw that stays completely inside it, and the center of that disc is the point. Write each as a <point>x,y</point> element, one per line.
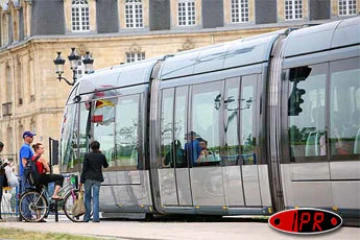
<point>173,230</point>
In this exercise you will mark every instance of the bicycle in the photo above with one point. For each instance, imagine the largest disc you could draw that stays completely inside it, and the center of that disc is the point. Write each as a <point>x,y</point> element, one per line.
<point>35,204</point>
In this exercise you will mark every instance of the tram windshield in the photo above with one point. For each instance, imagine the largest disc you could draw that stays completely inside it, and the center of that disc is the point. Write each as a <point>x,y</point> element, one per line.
<point>75,136</point>
<point>101,119</point>
<point>68,140</point>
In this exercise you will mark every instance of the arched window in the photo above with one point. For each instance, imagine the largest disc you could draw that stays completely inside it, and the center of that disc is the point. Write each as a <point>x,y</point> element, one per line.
<point>5,29</point>
<point>8,84</point>
<point>134,14</point>
<point>19,84</point>
<point>80,19</point>
<point>33,127</point>
<point>10,140</point>
<point>10,29</point>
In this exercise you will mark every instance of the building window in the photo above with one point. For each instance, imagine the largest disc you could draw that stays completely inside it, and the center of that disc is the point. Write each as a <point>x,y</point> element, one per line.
<point>80,16</point>
<point>20,87</point>
<point>186,12</point>
<point>10,141</point>
<point>80,68</point>
<point>134,14</point>
<point>347,7</point>
<point>293,9</point>
<point>135,57</point>
<point>9,84</point>
<point>239,11</point>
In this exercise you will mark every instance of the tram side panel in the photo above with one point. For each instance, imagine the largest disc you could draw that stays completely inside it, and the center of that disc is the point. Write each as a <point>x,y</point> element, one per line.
<point>227,182</point>
<point>322,166</point>
<point>126,186</point>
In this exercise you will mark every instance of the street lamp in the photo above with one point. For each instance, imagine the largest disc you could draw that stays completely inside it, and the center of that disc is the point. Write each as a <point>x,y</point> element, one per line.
<point>73,58</point>
<point>88,63</point>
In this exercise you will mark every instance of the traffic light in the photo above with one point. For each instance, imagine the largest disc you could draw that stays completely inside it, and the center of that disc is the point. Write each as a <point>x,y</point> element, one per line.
<point>295,100</point>
<point>297,75</point>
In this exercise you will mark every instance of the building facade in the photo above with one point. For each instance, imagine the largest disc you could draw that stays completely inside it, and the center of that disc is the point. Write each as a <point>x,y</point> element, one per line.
<point>119,31</point>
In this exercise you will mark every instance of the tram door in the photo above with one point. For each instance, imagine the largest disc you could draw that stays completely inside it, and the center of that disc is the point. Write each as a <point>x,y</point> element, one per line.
<point>242,172</point>
<point>174,176</point>
<point>182,170</point>
<point>206,171</point>
<point>252,173</point>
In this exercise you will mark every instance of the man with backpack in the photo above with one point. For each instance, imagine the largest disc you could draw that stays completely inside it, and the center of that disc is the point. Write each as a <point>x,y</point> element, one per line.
<point>26,154</point>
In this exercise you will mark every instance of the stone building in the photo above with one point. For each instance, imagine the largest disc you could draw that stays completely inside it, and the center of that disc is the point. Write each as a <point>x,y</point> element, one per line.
<point>119,31</point>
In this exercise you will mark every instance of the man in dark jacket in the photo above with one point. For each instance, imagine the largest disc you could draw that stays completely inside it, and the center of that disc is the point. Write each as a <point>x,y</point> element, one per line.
<point>92,178</point>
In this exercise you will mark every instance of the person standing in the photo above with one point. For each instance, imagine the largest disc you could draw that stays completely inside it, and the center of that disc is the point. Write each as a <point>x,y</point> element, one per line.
<point>192,148</point>
<point>92,178</point>
<point>26,154</point>
<point>2,176</point>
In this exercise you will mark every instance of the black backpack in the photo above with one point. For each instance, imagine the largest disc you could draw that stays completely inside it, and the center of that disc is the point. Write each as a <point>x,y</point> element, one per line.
<point>31,173</point>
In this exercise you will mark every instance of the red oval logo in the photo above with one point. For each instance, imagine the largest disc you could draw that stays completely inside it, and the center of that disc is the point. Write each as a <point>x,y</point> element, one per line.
<point>305,221</point>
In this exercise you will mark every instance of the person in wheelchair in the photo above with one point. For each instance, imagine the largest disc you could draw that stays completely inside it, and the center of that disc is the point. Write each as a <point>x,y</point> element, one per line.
<point>44,171</point>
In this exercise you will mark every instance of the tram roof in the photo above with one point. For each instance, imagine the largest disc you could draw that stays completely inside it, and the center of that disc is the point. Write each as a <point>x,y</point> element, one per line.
<point>118,76</point>
<point>237,53</point>
<point>323,37</point>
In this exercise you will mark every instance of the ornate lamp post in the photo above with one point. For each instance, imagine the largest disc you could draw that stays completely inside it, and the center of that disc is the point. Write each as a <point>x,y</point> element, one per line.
<point>73,58</point>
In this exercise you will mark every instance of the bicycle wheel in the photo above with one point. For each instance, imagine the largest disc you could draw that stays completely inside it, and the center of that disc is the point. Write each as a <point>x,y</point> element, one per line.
<point>33,206</point>
<point>69,201</point>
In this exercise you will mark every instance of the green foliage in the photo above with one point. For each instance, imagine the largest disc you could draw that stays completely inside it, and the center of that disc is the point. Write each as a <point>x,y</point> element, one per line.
<point>19,234</point>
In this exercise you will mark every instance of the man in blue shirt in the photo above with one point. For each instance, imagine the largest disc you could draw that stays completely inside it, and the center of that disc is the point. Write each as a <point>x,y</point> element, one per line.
<point>192,148</point>
<point>26,154</point>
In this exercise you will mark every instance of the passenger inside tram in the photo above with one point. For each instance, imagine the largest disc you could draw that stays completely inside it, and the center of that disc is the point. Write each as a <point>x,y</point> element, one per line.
<point>192,148</point>
<point>206,155</point>
<point>177,152</point>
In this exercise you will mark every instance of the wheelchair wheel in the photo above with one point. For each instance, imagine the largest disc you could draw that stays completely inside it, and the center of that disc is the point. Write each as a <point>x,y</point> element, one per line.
<point>33,206</point>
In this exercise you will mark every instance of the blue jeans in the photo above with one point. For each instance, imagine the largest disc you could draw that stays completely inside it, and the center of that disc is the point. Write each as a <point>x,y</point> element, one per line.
<point>23,185</point>
<point>92,188</point>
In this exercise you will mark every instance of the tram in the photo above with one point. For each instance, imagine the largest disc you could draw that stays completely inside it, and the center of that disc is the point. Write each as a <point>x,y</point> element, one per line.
<point>253,126</point>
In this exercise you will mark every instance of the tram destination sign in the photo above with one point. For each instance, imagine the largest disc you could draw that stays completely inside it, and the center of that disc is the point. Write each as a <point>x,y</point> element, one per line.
<point>305,221</point>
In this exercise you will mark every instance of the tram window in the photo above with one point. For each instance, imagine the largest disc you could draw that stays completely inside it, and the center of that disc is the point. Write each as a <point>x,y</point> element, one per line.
<point>84,129</point>
<point>230,153</point>
<point>68,139</point>
<point>248,120</point>
<point>206,103</point>
<point>103,121</point>
<point>127,128</point>
<point>306,113</point>
<point>167,144</point>
<point>344,134</point>
<point>180,123</point>
<point>72,94</point>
